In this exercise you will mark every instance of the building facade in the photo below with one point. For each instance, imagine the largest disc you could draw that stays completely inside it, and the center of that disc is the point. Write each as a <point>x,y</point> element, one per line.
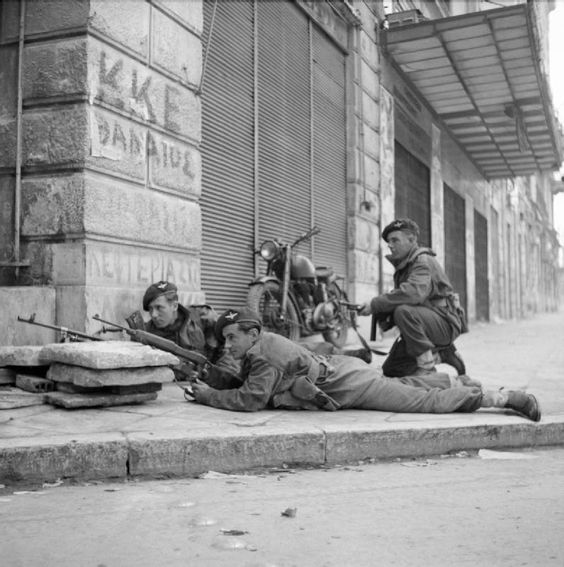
<point>165,139</point>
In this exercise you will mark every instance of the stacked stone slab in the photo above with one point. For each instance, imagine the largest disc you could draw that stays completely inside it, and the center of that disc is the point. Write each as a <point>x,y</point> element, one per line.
<point>23,367</point>
<point>106,373</point>
<point>21,360</point>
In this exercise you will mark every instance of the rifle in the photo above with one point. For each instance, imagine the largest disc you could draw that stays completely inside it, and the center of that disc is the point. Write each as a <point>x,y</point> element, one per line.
<point>199,361</point>
<point>356,307</point>
<point>66,333</point>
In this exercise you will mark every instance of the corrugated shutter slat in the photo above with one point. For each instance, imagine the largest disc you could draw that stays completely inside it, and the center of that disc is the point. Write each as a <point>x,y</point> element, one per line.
<point>227,148</point>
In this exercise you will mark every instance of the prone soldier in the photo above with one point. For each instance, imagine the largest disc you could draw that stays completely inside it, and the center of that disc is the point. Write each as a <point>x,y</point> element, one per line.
<point>276,372</point>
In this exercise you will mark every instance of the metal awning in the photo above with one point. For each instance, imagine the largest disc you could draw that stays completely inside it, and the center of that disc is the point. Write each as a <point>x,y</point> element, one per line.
<point>481,75</point>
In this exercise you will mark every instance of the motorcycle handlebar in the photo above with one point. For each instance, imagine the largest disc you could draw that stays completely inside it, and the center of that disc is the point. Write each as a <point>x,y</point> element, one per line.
<point>307,235</point>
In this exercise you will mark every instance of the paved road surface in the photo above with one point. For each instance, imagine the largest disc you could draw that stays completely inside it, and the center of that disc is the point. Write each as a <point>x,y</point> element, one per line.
<point>480,510</point>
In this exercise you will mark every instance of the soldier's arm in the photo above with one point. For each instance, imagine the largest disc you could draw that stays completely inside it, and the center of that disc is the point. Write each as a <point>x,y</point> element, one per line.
<point>414,291</point>
<point>253,394</point>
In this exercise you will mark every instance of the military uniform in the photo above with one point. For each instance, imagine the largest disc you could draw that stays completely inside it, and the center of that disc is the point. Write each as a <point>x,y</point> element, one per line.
<point>278,373</point>
<point>422,306</point>
<point>193,329</point>
<point>194,332</point>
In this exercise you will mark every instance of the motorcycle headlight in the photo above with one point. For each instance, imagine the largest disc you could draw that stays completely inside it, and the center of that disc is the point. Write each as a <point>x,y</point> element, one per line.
<point>268,250</point>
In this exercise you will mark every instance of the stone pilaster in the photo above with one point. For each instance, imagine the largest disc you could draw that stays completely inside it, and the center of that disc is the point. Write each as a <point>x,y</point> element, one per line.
<point>363,168</point>
<point>111,161</point>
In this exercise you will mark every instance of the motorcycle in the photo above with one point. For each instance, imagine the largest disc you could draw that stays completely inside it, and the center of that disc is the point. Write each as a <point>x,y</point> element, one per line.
<point>297,299</point>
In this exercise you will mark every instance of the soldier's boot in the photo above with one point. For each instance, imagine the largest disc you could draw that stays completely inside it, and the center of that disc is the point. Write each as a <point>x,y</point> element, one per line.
<point>524,404</point>
<point>449,355</point>
<point>425,363</point>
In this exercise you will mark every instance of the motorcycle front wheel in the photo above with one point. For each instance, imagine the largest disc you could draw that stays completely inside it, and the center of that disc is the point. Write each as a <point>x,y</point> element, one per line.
<point>266,300</point>
<point>338,333</point>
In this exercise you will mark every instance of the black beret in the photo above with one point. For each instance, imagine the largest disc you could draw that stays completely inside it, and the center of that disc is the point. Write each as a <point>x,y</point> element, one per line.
<point>406,225</point>
<point>156,290</point>
<point>231,316</point>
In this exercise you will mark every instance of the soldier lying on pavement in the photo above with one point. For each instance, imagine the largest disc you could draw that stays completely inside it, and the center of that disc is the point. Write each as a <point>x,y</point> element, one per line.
<point>278,373</point>
<point>190,327</point>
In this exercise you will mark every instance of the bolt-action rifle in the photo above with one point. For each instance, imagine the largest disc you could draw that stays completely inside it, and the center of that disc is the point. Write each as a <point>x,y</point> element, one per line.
<point>197,363</point>
<point>67,335</point>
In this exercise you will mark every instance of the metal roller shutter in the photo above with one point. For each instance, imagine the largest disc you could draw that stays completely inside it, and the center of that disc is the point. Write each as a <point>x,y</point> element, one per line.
<point>227,199</point>
<point>279,175</point>
<point>497,274</point>
<point>413,191</point>
<point>455,242</point>
<point>481,267</point>
<point>284,121</point>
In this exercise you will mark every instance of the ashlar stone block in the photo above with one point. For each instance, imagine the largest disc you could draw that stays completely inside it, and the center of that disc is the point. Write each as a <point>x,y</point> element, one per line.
<point>176,49</point>
<point>56,69</point>
<point>191,12</point>
<point>126,22</point>
<point>56,136</point>
<point>116,209</point>
<point>52,205</point>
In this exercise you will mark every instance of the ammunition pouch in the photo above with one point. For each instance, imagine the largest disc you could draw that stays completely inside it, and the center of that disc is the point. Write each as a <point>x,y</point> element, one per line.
<point>304,394</point>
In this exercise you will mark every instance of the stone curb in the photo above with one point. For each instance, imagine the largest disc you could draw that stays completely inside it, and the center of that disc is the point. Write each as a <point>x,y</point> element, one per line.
<point>117,456</point>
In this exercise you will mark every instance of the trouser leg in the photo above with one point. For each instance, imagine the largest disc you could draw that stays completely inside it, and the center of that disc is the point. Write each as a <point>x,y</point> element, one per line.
<point>391,394</point>
<point>422,329</point>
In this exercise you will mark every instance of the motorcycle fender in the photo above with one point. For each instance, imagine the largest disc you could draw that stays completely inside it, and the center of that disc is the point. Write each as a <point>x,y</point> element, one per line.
<point>263,279</point>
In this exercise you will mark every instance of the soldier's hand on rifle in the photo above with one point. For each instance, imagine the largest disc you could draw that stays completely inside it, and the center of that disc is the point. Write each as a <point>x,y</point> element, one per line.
<point>199,389</point>
<point>365,309</point>
<point>386,324</point>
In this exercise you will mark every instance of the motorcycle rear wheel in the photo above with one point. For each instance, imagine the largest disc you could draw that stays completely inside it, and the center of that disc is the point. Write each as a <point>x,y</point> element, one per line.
<point>338,334</point>
<point>266,299</point>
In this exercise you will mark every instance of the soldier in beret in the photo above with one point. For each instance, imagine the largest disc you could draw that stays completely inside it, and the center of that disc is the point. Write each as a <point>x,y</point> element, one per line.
<point>278,373</point>
<point>422,305</point>
<point>189,327</point>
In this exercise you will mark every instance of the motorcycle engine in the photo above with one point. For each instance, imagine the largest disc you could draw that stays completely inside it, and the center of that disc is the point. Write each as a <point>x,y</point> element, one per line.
<point>324,315</point>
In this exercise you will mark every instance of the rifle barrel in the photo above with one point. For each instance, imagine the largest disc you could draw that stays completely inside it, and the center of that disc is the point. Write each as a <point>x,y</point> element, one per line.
<point>98,318</point>
<point>62,330</point>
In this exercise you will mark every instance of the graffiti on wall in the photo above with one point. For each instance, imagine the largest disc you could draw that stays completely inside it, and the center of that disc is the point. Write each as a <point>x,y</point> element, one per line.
<point>134,268</point>
<point>146,124</point>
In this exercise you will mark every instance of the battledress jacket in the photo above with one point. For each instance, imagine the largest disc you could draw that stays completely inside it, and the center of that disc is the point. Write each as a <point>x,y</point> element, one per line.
<point>279,373</point>
<point>419,279</point>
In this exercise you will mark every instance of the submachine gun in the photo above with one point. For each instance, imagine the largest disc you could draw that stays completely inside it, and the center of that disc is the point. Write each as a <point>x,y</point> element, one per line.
<point>193,364</point>
<point>67,335</point>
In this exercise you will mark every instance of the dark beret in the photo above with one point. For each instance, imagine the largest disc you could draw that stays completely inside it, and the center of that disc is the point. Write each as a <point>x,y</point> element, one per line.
<point>156,290</point>
<point>406,225</point>
<point>243,315</point>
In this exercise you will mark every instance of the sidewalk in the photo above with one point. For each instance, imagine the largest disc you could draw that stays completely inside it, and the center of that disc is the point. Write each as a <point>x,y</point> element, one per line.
<point>173,437</point>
